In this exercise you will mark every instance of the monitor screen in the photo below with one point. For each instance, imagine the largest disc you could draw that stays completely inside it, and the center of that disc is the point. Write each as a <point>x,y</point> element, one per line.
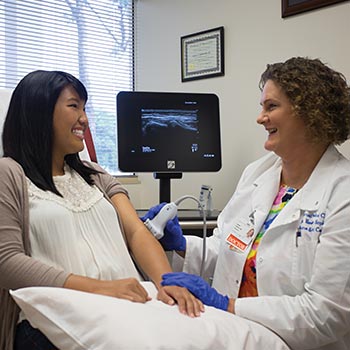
<point>168,132</point>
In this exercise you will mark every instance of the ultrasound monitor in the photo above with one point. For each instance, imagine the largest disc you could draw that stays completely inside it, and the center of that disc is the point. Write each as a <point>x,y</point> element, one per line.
<point>168,133</point>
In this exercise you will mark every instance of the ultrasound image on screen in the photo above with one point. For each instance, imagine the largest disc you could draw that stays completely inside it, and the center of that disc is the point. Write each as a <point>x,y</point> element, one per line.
<point>180,127</point>
<point>165,131</point>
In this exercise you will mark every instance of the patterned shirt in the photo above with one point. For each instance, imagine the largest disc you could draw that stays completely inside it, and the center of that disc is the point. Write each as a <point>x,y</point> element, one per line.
<point>248,287</point>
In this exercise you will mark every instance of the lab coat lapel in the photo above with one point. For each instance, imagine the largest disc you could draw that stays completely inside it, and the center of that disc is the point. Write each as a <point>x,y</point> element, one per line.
<point>309,197</point>
<point>314,190</point>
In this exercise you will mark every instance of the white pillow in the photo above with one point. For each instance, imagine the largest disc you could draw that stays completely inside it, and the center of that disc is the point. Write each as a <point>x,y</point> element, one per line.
<point>75,320</point>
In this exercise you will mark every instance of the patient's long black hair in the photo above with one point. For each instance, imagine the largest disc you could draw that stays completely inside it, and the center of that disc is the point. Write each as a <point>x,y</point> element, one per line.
<point>28,128</point>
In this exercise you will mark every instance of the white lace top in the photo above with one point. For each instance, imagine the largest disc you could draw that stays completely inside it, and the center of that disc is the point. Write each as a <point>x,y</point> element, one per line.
<point>80,232</point>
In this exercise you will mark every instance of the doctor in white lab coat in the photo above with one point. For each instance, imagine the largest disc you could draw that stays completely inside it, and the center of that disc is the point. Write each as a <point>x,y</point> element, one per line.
<point>303,260</point>
<point>285,262</point>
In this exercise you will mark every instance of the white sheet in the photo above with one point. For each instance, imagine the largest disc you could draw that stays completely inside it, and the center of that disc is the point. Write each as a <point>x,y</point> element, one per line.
<point>76,320</point>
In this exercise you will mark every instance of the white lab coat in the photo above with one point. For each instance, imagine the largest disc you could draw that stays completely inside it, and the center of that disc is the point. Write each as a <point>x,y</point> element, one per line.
<point>303,282</point>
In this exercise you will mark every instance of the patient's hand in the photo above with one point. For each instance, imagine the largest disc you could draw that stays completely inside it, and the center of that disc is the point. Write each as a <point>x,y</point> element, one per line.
<point>127,288</point>
<point>188,304</point>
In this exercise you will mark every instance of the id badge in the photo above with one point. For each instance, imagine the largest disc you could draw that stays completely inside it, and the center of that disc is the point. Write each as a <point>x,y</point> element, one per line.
<point>241,234</point>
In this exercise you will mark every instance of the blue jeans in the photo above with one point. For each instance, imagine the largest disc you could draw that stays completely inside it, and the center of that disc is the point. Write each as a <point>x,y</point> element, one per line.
<point>29,338</point>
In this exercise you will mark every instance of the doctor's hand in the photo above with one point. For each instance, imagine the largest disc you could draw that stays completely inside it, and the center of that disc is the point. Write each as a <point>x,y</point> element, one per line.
<point>198,287</point>
<point>187,303</point>
<point>173,238</point>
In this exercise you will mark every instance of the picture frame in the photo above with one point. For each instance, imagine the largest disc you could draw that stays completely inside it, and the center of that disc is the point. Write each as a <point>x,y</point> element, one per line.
<point>293,7</point>
<point>202,54</point>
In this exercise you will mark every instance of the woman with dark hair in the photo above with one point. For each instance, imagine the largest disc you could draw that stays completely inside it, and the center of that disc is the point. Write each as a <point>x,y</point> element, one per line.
<point>64,222</point>
<point>292,275</point>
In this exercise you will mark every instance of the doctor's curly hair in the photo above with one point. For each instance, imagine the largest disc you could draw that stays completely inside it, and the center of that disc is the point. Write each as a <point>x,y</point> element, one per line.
<point>319,95</point>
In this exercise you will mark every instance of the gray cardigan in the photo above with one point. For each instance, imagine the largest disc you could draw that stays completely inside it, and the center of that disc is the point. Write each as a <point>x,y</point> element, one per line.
<point>17,268</point>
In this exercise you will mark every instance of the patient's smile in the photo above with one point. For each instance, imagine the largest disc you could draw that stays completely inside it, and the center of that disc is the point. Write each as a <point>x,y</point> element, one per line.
<point>79,133</point>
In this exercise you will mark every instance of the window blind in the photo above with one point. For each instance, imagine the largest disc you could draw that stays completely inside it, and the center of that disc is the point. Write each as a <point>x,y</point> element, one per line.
<point>91,39</point>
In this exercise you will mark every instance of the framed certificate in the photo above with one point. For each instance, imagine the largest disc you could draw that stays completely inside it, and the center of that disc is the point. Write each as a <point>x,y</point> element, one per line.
<point>293,7</point>
<point>202,54</point>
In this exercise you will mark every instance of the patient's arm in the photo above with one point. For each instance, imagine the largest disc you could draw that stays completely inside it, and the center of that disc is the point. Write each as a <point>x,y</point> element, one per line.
<point>146,250</point>
<point>151,257</point>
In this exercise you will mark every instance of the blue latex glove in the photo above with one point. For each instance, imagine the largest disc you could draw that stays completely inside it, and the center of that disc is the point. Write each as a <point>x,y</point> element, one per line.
<point>198,287</point>
<point>173,238</point>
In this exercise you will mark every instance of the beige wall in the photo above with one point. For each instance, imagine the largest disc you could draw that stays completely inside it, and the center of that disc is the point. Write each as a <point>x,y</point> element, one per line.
<point>255,34</point>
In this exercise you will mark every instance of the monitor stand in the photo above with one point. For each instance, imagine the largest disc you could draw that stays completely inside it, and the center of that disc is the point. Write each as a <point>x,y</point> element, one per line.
<point>164,185</point>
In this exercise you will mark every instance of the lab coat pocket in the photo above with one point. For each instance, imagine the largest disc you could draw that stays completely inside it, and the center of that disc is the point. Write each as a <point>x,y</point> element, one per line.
<point>303,257</point>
